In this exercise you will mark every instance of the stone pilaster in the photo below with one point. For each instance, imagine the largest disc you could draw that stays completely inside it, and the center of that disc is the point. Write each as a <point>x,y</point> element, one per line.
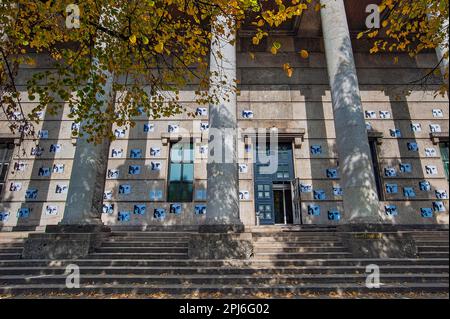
<point>360,197</point>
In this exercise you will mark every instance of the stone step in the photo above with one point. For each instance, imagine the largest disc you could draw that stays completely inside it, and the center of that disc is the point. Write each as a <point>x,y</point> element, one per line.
<point>222,263</point>
<point>14,235</point>
<point>429,233</point>
<point>427,240</point>
<point>265,249</point>
<point>146,239</point>
<point>433,248</point>
<point>433,254</point>
<point>432,243</point>
<point>11,245</point>
<point>304,255</point>
<point>144,244</point>
<point>111,270</point>
<point>202,279</point>
<point>295,242</point>
<point>9,241</point>
<point>8,256</point>
<point>11,250</point>
<point>287,236</point>
<point>155,250</point>
<point>427,236</point>
<point>151,234</point>
<point>286,228</point>
<point>260,244</point>
<point>237,290</point>
<point>443,235</point>
<point>132,255</point>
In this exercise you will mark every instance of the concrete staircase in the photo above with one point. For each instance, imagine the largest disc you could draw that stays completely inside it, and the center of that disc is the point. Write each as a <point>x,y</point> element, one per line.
<point>287,262</point>
<point>11,245</point>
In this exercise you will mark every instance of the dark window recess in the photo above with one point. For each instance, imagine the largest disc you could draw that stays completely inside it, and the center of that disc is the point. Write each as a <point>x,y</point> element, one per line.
<point>6,151</point>
<point>444,155</point>
<point>181,173</point>
<point>376,168</point>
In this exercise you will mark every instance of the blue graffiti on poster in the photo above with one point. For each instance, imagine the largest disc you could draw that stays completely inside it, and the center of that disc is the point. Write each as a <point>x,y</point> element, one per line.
<point>313,209</point>
<point>319,194</point>
<point>175,208</point>
<point>23,212</point>
<point>334,215</point>
<point>426,212</point>
<point>391,210</point>
<point>140,209</point>
<point>136,153</point>
<point>200,209</point>
<point>159,213</point>
<point>124,216</point>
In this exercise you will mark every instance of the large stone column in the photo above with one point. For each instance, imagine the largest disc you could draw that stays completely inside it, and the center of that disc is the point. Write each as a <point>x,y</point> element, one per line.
<point>360,197</point>
<point>87,181</point>
<point>222,167</point>
<point>440,52</point>
<point>222,236</point>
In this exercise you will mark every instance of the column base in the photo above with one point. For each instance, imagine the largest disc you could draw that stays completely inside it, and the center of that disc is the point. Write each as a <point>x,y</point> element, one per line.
<point>64,242</point>
<point>377,241</point>
<point>221,228</point>
<point>88,228</point>
<point>221,246</point>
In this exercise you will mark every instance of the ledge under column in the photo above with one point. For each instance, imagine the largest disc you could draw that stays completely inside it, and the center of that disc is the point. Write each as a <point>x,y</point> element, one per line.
<point>65,242</point>
<point>221,245</point>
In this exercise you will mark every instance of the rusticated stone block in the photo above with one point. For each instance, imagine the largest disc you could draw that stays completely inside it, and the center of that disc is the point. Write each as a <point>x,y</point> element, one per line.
<point>62,244</point>
<point>220,246</point>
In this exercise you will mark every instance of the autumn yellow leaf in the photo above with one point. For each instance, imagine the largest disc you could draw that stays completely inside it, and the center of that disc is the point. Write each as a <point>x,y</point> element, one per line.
<point>132,39</point>
<point>275,47</point>
<point>159,47</point>
<point>288,69</point>
<point>304,54</point>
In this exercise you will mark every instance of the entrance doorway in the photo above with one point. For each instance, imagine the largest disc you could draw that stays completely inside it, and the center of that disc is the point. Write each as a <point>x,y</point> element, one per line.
<point>282,204</point>
<point>273,192</point>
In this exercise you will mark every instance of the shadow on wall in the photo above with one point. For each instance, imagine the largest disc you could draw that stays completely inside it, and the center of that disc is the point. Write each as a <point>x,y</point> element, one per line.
<point>42,173</point>
<point>5,204</point>
<point>132,173</point>
<point>321,158</point>
<point>412,188</point>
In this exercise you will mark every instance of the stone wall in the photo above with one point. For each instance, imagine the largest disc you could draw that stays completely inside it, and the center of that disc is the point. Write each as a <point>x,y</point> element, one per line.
<point>301,102</point>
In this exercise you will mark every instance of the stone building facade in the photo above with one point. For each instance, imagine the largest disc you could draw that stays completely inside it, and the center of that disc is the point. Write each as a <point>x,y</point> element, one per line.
<point>407,137</point>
